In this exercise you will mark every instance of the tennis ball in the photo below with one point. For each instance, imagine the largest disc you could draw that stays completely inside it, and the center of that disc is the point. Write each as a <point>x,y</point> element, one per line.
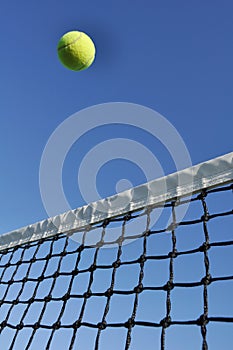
<point>76,50</point>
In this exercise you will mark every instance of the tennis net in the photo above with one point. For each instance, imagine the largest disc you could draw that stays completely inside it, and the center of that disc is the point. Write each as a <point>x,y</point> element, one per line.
<point>148,267</point>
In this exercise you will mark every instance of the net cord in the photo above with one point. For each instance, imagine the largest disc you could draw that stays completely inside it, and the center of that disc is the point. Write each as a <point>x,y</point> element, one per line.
<point>206,175</point>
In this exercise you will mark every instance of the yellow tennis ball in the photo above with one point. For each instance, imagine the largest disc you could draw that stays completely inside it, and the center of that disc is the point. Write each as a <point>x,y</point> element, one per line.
<point>76,50</point>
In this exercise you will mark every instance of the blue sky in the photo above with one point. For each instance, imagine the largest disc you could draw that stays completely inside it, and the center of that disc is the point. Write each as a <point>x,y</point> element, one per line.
<point>174,57</point>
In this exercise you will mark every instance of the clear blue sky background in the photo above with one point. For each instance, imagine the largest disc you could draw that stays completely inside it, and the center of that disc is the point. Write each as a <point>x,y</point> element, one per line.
<point>172,56</point>
<point>175,57</point>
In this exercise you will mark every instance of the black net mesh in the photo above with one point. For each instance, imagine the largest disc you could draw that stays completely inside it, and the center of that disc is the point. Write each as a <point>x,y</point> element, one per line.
<point>114,287</point>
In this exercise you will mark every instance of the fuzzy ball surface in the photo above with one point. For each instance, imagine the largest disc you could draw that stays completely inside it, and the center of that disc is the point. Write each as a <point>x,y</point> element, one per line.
<point>76,50</point>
